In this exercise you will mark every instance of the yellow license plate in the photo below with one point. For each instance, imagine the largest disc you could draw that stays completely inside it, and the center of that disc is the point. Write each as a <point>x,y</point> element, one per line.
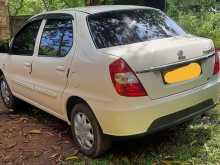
<point>184,73</point>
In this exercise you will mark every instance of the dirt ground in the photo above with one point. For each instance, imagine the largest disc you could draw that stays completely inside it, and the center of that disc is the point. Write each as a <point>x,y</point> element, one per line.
<point>33,137</point>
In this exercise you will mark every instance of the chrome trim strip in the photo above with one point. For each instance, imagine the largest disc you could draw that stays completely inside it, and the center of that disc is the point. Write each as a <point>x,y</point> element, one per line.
<point>164,67</point>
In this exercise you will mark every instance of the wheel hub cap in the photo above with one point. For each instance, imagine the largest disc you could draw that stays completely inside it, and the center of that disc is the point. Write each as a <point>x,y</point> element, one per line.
<point>5,92</point>
<point>83,131</point>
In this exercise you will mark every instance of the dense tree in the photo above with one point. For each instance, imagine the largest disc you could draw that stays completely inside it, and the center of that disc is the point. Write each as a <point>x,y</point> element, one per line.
<point>15,6</point>
<point>176,7</point>
<point>25,7</point>
<point>31,7</point>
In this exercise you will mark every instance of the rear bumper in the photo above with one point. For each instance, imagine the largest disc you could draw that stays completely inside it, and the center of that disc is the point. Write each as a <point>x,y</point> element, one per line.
<point>141,116</point>
<point>180,117</point>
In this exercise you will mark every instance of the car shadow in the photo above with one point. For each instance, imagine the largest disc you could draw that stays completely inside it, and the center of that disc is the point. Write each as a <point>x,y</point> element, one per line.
<point>182,141</point>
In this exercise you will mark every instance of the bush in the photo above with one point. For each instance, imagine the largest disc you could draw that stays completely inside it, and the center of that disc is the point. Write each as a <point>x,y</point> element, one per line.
<point>207,25</point>
<point>194,17</point>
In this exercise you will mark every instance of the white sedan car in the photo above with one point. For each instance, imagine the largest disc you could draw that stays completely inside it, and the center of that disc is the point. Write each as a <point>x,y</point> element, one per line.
<point>110,71</point>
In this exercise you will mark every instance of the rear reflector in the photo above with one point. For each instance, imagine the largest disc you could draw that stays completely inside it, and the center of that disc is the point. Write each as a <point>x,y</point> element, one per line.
<point>217,63</point>
<point>125,80</point>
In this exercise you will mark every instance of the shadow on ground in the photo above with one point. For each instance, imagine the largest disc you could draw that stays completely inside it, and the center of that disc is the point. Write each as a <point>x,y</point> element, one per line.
<point>32,136</point>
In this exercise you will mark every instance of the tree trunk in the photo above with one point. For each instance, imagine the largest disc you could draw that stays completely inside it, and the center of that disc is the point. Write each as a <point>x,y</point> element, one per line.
<point>91,2</point>
<point>45,5</point>
<point>4,21</point>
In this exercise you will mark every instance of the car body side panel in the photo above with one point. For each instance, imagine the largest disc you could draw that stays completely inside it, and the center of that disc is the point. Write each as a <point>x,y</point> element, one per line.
<point>18,72</point>
<point>49,77</point>
<point>90,80</point>
<point>89,76</point>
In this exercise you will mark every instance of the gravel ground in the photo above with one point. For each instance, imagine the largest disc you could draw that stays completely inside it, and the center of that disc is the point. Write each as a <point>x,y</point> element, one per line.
<point>31,136</point>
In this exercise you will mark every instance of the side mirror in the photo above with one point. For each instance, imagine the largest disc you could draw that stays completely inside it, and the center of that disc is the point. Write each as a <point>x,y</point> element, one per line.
<point>4,47</point>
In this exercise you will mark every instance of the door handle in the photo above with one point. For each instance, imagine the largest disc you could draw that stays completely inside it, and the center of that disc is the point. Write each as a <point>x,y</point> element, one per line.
<point>27,64</point>
<point>60,68</point>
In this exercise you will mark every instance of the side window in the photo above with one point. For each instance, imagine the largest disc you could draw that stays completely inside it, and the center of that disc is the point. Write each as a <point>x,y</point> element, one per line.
<point>24,41</point>
<point>57,38</point>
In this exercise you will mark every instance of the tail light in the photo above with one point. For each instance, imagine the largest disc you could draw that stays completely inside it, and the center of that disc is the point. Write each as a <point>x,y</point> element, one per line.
<point>125,80</point>
<point>217,63</point>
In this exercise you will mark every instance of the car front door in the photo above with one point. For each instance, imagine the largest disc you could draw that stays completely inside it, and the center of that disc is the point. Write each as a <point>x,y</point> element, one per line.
<point>50,67</point>
<point>20,58</point>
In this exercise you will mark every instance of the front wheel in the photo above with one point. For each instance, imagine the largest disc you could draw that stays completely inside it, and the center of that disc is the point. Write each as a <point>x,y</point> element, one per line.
<point>7,97</point>
<point>87,133</point>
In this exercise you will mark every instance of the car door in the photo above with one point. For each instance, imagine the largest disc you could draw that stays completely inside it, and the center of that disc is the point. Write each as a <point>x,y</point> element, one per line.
<point>50,67</point>
<point>20,58</point>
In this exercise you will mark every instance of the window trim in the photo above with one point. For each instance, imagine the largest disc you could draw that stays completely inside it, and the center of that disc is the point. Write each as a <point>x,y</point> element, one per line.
<point>10,52</point>
<point>38,18</point>
<point>56,17</point>
<point>52,16</point>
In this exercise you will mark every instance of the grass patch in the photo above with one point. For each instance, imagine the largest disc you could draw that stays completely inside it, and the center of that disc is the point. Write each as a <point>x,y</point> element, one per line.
<point>193,143</point>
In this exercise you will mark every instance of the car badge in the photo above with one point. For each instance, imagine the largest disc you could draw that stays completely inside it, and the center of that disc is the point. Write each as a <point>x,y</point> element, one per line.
<point>180,55</point>
<point>209,51</point>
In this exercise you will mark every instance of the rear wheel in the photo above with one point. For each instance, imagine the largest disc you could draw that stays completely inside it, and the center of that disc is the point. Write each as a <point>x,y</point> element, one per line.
<point>87,133</point>
<point>7,97</point>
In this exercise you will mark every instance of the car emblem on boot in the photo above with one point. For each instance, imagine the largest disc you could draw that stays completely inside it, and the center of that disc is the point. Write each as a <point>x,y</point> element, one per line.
<point>180,55</point>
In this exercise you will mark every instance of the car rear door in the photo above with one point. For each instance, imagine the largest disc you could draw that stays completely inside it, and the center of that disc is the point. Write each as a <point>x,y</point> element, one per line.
<point>20,58</point>
<point>51,66</point>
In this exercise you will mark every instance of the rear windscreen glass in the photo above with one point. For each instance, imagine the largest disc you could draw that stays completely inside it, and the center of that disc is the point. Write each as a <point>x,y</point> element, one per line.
<point>131,26</point>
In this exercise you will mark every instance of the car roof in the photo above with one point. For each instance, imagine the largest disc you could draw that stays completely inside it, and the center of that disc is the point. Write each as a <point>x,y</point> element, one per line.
<point>105,8</point>
<point>92,10</point>
<point>97,9</point>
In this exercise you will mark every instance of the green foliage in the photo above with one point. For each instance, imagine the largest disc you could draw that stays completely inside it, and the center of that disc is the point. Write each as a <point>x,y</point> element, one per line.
<point>31,7</point>
<point>25,7</point>
<point>15,6</point>
<point>195,17</point>
<point>191,5</point>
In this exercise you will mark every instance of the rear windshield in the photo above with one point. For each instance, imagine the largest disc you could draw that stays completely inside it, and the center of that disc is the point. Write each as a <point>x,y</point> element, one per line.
<point>131,26</point>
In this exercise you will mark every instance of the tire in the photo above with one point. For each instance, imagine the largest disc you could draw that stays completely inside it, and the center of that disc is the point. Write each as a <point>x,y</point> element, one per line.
<point>87,133</point>
<point>7,97</point>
